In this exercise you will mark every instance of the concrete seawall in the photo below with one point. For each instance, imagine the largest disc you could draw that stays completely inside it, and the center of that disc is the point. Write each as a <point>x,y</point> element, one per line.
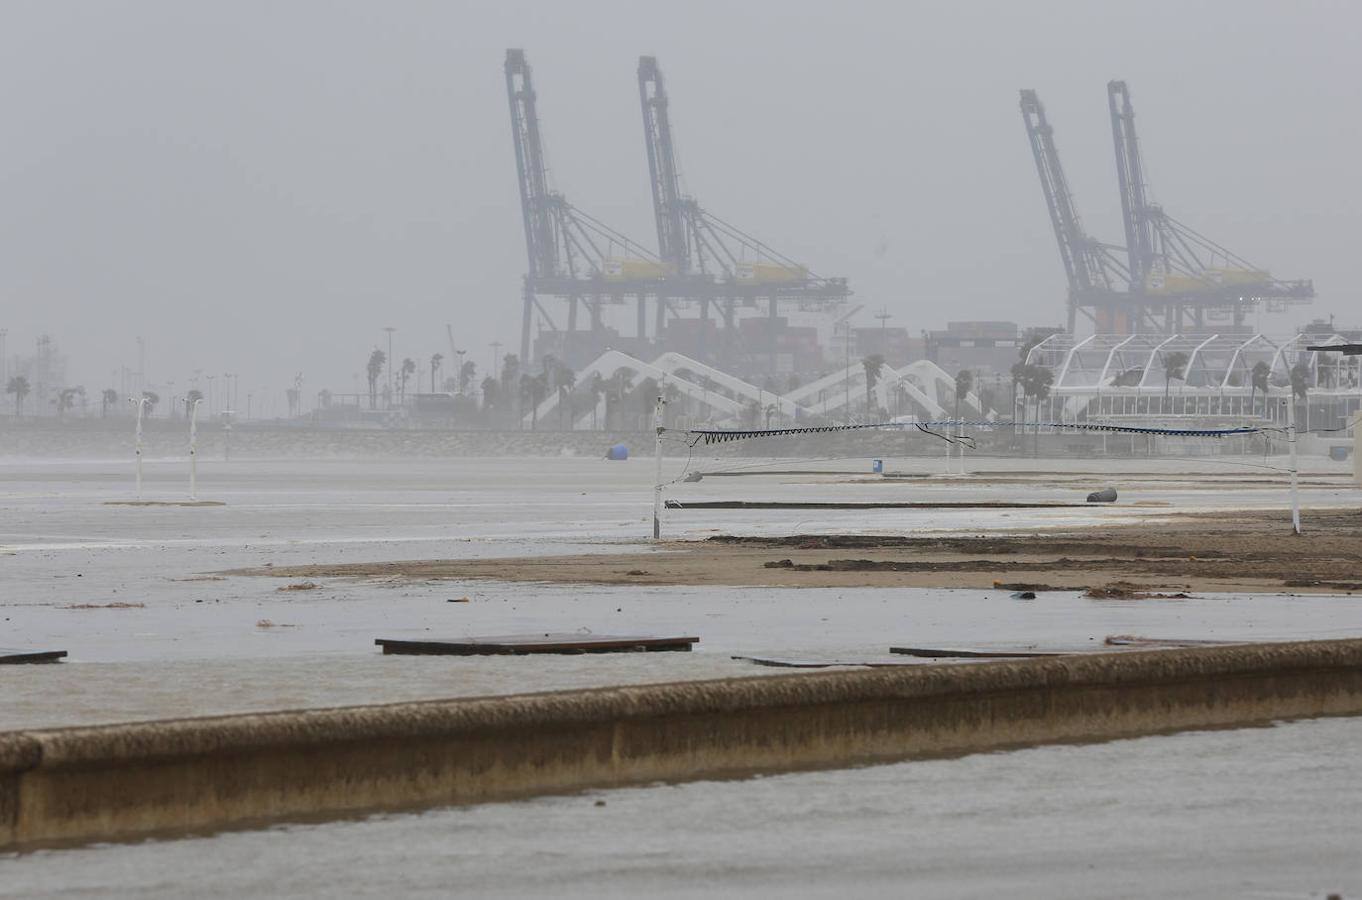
<point>121,781</point>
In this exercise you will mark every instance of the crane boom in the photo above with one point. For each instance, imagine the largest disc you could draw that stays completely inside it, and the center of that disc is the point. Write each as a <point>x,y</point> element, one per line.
<point>672,245</point>
<point>1135,209</point>
<point>535,207</point>
<point>1168,260</point>
<point>1088,264</point>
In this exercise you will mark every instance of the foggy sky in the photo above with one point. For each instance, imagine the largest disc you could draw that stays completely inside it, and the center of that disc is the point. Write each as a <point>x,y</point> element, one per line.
<point>261,187</point>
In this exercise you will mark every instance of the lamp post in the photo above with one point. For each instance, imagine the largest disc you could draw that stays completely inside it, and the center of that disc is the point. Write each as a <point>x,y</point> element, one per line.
<point>390,331</point>
<point>193,448</point>
<point>141,403</point>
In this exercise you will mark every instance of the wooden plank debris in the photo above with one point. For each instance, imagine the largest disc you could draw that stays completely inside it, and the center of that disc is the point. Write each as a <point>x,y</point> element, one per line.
<point>16,657</point>
<point>820,504</point>
<point>977,653</point>
<point>514,644</point>
<point>783,663</point>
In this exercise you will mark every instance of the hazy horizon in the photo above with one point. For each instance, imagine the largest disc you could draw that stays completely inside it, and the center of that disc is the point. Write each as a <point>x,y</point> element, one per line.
<point>262,188</point>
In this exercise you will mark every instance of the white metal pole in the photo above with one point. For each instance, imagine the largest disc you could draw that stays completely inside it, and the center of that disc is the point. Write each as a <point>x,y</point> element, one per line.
<point>1291,443</point>
<point>657,458</point>
<point>1357,449</point>
<point>194,449</point>
<point>141,404</point>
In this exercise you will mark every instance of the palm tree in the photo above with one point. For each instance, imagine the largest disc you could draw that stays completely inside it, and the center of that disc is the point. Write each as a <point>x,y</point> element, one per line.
<point>20,388</point>
<point>549,367</point>
<point>510,381</point>
<point>1300,387</point>
<point>435,368</point>
<point>1035,381</point>
<point>66,399</point>
<point>489,393</point>
<point>964,383</point>
<point>467,373</point>
<point>597,387</point>
<point>1174,366</point>
<point>1258,381</point>
<point>152,399</point>
<point>647,401</point>
<point>1128,378</point>
<point>533,390</point>
<point>373,369</point>
<point>108,398</point>
<point>618,386</point>
<point>567,380</point>
<point>408,369</point>
<point>873,365</point>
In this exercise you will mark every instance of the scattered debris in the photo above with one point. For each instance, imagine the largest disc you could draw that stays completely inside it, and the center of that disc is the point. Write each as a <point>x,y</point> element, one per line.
<point>828,504</point>
<point>779,564</point>
<point>974,653</point>
<point>691,478</point>
<point>20,657</point>
<point>1026,587</point>
<point>459,600</point>
<point>1023,595</point>
<point>1133,640</point>
<point>117,604</point>
<point>300,586</point>
<point>1106,495</point>
<point>1315,582</point>
<point>164,503</point>
<point>782,663</point>
<point>1124,590</point>
<point>515,644</point>
<point>637,572</point>
<point>266,623</point>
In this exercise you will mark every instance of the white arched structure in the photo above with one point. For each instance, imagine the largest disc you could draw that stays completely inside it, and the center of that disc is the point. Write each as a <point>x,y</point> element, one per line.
<point>926,385</point>
<point>611,361</point>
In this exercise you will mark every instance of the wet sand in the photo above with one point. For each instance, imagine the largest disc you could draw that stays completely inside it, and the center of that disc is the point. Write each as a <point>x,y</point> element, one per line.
<point>1209,551</point>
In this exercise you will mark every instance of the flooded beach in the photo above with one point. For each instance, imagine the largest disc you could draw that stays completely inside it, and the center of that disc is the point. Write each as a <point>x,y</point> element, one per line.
<point>155,629</point>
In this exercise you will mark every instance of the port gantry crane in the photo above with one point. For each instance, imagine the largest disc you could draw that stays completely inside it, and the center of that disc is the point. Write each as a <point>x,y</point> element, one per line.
<point>1173,270</point>
<point>1093,269</point>
<point>571,255</point>
<point>709,262</point>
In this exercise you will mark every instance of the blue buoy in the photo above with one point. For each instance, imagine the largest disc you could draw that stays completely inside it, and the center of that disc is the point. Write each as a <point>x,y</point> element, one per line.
<point>619,451</point>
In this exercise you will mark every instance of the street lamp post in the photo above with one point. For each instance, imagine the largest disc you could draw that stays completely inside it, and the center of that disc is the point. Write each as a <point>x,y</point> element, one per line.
<point>390,331</point>
<point>141,404</point>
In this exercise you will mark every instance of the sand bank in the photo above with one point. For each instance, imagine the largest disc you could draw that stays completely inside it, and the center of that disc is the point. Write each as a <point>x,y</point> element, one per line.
<point>1221,551</point>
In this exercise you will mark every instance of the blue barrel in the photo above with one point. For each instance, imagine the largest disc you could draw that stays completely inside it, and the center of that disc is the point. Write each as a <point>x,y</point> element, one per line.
<point>619,451</point>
